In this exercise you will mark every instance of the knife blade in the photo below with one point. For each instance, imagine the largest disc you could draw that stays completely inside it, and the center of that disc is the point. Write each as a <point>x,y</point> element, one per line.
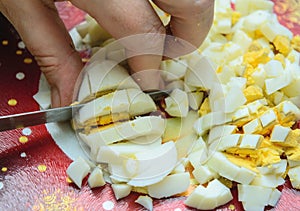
<point>61,114</point>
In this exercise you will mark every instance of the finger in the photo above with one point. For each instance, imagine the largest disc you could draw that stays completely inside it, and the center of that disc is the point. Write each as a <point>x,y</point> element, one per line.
<point>125,18</point>
<point>190,23</point>
<point>46,38</point>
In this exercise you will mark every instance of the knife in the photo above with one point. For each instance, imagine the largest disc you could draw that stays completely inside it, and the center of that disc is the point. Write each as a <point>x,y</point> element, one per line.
<point>61,114</point>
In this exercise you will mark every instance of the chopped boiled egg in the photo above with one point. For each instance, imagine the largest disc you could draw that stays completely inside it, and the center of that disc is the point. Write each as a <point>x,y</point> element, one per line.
<point>177,104</point>
<point>210,197</point>
<point>170,185</point>
<point>173,70</point>
<point>77,170</point>
<point>204,174</point>
<point>96,178</point>
<point>145,201</point>
<point>121,190</point>
<point>279,133</point>
<point>255,197</point>
<point>295,176</point>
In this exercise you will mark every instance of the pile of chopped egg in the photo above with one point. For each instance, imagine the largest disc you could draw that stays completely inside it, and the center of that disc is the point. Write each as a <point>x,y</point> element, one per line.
<point>241,93</point>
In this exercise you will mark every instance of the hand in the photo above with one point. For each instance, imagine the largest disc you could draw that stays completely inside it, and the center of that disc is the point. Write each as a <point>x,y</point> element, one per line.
<point>45,36</point>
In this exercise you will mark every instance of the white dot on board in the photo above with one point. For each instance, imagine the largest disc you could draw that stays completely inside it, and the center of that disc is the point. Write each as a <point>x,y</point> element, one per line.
<point>20,76</point>
<point>26,131</point>
<point>108,205</point>
<point>1,185</point>
<point>21,45</point>
<point>23,155</point>
<point>177,209</point>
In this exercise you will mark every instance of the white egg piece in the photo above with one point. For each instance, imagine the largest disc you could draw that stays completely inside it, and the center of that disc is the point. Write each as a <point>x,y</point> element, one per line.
<point>145,201</point>
<point>228,141</point>
<point>96,178</point>
<point>274,198</point>
<point>173,69</point>
<point>251,141</point>
<point>274,84</point>
<point>201,74</point>
<point>220,164</point>
<point>254,197</point>
<point>242,39</point>
<point>253,126</point>
<point>104,75</point>
<point>294,174</point>
<point>170,185</point>
<point>78,170</point>
<point>275,168</point>
<point>204,174</point>
<point>141,126</point>
<point>254,20</point>
<point>177,104</point>
<point>273,28</point>
<point>279,133</point>
<point>269,180</point>
<point>220,131</point>
<point>210,197</point>
<point>121,190</point>
<point>147,167</point>
<point>115,102</point>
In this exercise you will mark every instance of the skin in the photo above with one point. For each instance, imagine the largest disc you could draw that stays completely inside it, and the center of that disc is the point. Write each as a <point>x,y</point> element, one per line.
<point>46,37</point>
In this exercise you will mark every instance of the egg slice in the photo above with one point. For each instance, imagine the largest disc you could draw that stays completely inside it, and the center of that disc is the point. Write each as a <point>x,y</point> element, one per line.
<point>142,168</point>
<point>220,164</point>
<point>129,101</point>
<point>141,126</point>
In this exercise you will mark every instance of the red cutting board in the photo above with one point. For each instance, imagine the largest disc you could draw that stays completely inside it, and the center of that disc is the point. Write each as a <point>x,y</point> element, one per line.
<point>33,168</point>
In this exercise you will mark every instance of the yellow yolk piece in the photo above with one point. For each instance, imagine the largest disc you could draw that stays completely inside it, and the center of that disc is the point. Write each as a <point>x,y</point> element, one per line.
<point>292,140</point>
<point>205,108</point>
<point>235,17</point>
<point>293,153</point>
<point>255,58</point>
<point>247,162</point>
<point>253,93</point>
<point>258,34</point>
<point>249,70</point>
<point>282,44</point>
<point>266,156</point>
<point>296,42</point>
